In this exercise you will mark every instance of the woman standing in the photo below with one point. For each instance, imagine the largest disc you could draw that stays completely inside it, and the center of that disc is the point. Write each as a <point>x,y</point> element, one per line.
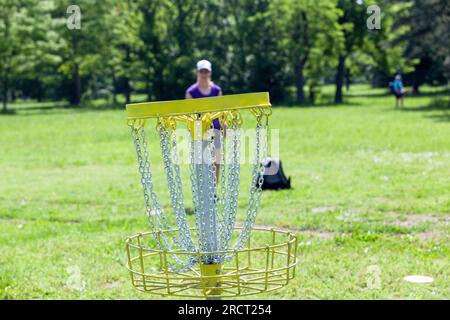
<point>203,88</point>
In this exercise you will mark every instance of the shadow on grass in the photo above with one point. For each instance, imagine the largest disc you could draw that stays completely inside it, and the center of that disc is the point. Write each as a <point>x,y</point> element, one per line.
<point>325,103</point>
<point>58,107</point>
<point>8,112</point>
<point>440,117</point>
<point>387,93</point>
<point>369,94</point>
<point>435,105</point>
<point>103,106</point>
<point>431,93</point>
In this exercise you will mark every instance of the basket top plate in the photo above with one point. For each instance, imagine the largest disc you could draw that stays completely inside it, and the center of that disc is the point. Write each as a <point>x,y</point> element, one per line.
<point>183,107</point>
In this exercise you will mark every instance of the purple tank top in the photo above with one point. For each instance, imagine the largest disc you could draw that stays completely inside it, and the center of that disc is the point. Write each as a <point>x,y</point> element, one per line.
<point>195,93</point>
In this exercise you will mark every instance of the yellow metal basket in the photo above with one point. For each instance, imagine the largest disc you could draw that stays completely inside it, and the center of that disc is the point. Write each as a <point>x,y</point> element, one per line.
<point>257,268</point>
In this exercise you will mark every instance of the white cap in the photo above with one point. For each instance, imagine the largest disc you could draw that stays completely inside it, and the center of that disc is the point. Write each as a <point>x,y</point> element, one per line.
<point>204,64</point>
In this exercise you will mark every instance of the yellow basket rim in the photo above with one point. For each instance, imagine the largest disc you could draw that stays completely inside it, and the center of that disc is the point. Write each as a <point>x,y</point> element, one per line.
<point>292,238</point>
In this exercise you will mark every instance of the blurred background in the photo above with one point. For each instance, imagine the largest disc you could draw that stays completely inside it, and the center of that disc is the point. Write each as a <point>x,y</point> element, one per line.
<point>149,48</point>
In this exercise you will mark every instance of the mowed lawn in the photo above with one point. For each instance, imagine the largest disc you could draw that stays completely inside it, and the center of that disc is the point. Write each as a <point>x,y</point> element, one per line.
<point>370,200</point>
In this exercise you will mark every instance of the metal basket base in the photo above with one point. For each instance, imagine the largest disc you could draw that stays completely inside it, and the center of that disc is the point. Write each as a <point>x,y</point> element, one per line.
<point>252,270</point>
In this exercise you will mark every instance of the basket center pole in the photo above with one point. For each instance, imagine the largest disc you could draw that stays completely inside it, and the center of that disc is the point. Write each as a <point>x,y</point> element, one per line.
<point>204,164</point>
<point>205,176</point>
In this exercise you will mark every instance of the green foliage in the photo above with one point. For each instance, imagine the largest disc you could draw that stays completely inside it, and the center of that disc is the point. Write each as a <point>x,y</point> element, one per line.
<point>82,51</point>
<point>426,40</point>
<point>308,30</point>
<point>380,53</point>
<point>22,45</point>
<point>151,46</point>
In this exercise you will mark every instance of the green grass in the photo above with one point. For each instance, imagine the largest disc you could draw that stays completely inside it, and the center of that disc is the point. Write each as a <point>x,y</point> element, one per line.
<point>371,190</point>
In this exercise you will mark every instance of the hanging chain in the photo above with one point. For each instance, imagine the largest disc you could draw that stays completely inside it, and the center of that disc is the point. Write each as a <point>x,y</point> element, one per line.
<point>223,190</point>
<point>196,178</point>
<point>256,187</point>
<point>232,185</point>
<point>214,197</point>
<point>153,208</point>
<point>169,151</point>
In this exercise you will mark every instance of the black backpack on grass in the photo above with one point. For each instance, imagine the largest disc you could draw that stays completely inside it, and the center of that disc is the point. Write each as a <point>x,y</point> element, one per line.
<point>274,177</point>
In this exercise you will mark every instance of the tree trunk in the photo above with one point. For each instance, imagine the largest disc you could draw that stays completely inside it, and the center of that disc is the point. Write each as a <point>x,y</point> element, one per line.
<point>147,85</point>
<point>5,95</point>
<point>347,80</point>
<point>340,80</point>
<point>76,94</point>
<point>77,85</point>
<point>415,88</point>
<point>127,91</point>
<point>158,87</point>
<point>312,95</point>
<point>113,78</point>
<point>40,92</point>
<point>114,96</point>
<point>300,83</point>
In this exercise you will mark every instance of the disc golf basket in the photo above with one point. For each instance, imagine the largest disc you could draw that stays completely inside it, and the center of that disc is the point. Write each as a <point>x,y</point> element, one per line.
<point>210,257</point>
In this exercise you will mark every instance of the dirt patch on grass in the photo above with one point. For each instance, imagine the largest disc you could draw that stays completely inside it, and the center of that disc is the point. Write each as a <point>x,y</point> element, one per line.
<point>315,233</point>
<point>323,209</point>
<point>113,284</point>
<point>431,236</point>
<point>322,234</point>
<point>410,220</point>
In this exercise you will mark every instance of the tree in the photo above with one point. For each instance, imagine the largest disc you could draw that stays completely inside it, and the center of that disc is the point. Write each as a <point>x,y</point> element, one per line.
<point>263,57</point>
<point>353,24</point>
<point>379,56</point>
<point>13,34</point>
<point>295,25</point>
<point>39,76</point>
<point>427,39</point>
<point>81,49</point>
<point>154,54</point>
<point>170,33</point>
<point>124,48</point>
<point>308,32</point>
